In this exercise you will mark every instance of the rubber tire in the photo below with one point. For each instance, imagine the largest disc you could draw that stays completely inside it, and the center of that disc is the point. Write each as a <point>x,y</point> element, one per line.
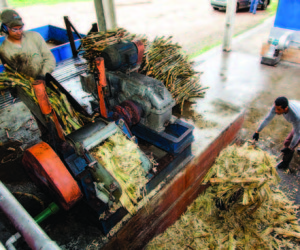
<point>215,8</point>
<point>264,6</point>
<point>237,7</point>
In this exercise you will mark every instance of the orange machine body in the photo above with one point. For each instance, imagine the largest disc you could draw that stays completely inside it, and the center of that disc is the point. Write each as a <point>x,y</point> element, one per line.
<point>45,106</point>
<point>46,168</point>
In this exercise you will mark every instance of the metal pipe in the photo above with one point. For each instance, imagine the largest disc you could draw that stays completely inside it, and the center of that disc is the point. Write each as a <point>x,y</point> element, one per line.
<point>70,36</point>
<point>30,230</point>
<point>9,243</point>
<point>51,209</point>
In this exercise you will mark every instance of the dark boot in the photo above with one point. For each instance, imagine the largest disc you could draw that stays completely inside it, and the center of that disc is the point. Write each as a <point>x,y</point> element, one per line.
<point>286,160</point>
<point>283,165</point>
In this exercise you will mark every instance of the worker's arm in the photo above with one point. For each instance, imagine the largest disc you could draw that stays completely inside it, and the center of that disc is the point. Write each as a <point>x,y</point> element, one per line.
<point>49,62</point>
<point>267,119</point>
<point>3,59</point>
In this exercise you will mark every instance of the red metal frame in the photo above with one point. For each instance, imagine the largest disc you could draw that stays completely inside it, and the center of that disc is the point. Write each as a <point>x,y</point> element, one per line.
<point>45,106</point>
<point>141,48</point>
<point>101,84</point>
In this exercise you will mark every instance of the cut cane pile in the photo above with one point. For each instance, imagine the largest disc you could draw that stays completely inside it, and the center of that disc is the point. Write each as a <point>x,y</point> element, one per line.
<point>242,209</point>
<point>162,60</point>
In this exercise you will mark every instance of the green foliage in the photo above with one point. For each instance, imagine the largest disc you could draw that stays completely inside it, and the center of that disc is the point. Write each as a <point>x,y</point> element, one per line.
<point>23,3</point>
<point>272,8</point>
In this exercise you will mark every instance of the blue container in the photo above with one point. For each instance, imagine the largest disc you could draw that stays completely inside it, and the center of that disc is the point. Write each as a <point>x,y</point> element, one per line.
<point>288,15</point>
<point>48,32</point>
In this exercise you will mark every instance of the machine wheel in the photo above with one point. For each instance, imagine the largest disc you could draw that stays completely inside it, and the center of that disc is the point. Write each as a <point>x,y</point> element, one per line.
<point>264,6</point>
<point>45,167</point>
<point>215,8</point>
<point>237,7</point>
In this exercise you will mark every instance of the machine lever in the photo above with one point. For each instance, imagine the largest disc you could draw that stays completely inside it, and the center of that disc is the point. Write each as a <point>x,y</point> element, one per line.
<point>45,106</point>
<point>101,84</point>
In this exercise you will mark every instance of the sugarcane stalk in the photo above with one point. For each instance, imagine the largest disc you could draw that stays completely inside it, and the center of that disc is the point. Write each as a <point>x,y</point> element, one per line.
<point>74,124</point>
<point>287,233</point>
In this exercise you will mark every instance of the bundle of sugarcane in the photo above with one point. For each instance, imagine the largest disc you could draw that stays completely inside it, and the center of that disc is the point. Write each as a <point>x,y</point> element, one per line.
<point>121,158</point>
<point>11,79</point>
<point>70,119</point>
<point>96,42</point>
<point>260,216</point>
<point>164,61</point>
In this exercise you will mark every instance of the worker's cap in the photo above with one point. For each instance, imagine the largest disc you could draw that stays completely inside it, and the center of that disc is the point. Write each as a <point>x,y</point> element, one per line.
<point>11,18</point>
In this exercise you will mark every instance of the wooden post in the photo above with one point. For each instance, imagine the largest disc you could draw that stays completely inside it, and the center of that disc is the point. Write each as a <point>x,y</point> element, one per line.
<point>106,17</point>
<point>229,24</point>
<point>3,4</point>
<point>100,15</point>
<point>109,13</point>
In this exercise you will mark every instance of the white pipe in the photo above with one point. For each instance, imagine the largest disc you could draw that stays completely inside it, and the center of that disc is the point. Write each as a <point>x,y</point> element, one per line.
<point>2,247</point>
<point>24,223</point>
<point>229,24</point>
<point>9,243</point>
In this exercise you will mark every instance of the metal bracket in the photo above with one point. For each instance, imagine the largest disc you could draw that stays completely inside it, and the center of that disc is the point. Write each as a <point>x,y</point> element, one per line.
<point>69,25</point>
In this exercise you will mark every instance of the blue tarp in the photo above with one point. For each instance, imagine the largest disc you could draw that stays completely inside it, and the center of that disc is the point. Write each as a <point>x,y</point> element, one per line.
<point>288,15</point>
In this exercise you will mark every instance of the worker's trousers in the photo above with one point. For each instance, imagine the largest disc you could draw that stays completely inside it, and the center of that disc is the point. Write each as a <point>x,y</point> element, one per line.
<point>253,6</point>
<point>289,139</point>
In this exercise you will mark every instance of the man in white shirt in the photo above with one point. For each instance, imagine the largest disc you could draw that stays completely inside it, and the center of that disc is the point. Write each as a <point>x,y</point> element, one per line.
<point>25,51</point>
<point>291,112</point>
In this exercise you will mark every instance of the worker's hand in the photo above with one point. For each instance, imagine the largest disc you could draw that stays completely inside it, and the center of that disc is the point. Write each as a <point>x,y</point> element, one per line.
<point>286,150</point>
<point>41,77</point>
<point>255,136</point>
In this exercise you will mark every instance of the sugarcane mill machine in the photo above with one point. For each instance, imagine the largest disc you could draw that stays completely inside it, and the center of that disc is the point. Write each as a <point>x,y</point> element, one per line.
<point>128,102</point>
